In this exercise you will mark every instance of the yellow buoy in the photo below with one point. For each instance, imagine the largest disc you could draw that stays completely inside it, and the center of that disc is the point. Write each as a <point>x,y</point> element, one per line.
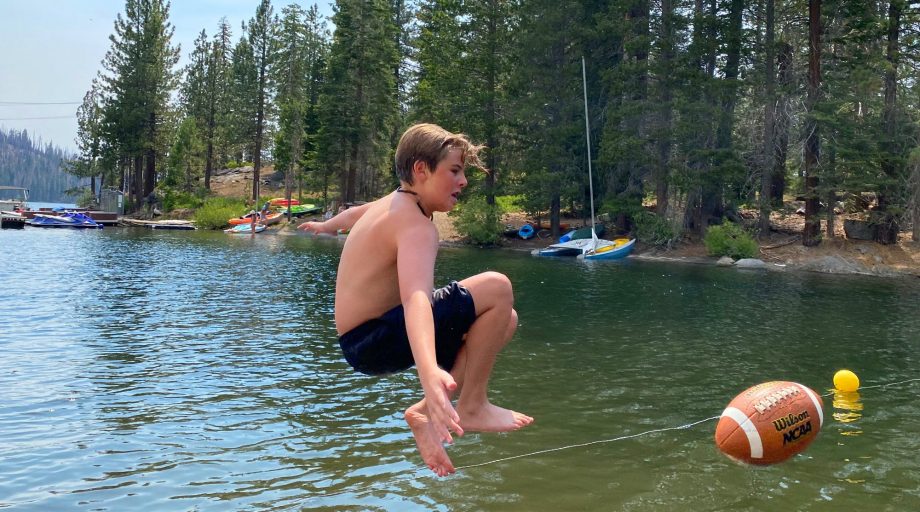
<point>845,380</point>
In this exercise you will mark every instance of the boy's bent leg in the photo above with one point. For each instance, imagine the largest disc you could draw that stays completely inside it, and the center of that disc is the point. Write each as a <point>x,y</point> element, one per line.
<point>429,447</point>
<point>496,321</point>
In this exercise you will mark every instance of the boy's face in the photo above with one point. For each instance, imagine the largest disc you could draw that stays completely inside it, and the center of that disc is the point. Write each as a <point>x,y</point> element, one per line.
<point>447,181</point>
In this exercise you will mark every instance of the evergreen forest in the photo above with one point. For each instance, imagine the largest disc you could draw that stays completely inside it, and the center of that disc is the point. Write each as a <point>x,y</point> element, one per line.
<point>37,167</point>
<point>697,108</point>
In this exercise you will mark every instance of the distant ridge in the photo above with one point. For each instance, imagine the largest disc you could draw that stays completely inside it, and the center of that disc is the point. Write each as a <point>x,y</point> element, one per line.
<point>29,164</point>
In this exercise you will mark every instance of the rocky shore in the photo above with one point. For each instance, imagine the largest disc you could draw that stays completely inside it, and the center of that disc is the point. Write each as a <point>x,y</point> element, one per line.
<point>781,251</point>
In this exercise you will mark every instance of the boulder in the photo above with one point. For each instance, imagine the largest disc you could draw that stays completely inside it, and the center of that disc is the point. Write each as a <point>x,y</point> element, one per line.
<point>750,263</point>
<point>835,265</point>
<point>858,229</point>
<point>725,261</point>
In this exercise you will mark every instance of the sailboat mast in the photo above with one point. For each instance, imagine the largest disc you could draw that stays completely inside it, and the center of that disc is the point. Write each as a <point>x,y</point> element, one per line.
<point>584,83</point>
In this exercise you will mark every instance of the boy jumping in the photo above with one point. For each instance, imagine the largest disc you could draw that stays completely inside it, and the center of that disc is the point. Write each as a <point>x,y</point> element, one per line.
<point>386,315</point>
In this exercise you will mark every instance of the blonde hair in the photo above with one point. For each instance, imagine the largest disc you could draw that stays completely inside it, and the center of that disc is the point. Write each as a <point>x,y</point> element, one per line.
<point>430,143</point>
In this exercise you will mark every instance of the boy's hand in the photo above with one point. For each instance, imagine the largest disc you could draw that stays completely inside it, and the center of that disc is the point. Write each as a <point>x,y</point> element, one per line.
<point>311,227</point>
<point>439,386</point>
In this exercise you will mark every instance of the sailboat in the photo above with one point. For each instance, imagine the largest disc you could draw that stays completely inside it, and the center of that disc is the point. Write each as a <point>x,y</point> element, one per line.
<point>593,248</point>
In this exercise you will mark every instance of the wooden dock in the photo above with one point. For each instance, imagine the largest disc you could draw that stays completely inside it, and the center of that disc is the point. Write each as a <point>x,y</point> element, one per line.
<point>158,224</point>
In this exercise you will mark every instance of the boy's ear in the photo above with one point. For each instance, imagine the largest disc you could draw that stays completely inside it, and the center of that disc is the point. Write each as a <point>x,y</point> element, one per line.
<point>419,170</point>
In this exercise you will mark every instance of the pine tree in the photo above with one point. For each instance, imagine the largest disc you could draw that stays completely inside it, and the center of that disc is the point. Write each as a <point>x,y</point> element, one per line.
<point>546,101</point>
<point>90,143</point>
<point>625,154</point>
<point>219,83</point>
<point>185,160</point>
<point>261,30</point>
<point>488,27</point>
<point>358,103</point>
<point>139,80</point>
<point>440,48</point>
<point>292,73</point>
<point>243,101</point>
<point>205,90</point>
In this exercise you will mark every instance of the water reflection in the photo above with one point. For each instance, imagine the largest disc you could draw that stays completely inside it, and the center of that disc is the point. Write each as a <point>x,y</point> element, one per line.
<point>848,410</point>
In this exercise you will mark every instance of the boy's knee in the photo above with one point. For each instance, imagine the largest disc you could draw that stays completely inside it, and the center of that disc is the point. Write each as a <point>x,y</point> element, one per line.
<point>501,284</point>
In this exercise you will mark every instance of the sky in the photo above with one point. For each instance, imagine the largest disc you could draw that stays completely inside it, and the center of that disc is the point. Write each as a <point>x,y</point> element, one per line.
<point>52,50</point>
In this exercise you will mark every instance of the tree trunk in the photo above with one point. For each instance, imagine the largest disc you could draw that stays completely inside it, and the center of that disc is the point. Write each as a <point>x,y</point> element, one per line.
<point>351,174</point>
<point>831,198</point>
<point>708,206</point>
<point>915,201</point>
<point>491,107</point>
<point>665,111</point>
<point>769,143</point>
<point>257,153</point>
<point>887,224</point>
<point>260,127</point>
<point>150,175</point>
<point>137,182</point>
<point>781,125</point>
<point>209,164</point>
<point>811,232</point>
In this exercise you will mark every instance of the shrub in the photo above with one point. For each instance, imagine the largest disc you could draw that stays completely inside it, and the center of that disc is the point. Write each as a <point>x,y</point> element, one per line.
<point>85,199</point>
<point>216,211</point>
<point>730,240</point>
<point>509,204</point>
<point>479,221</point>
<point>653,230</point>
<point>173,199</point>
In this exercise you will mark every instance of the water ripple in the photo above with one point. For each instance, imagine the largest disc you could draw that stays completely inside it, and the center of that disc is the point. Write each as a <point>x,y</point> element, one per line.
<point>174,371</point>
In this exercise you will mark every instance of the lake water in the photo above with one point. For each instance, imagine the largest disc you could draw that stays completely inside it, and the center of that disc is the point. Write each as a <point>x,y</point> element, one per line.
<point>157,370</point>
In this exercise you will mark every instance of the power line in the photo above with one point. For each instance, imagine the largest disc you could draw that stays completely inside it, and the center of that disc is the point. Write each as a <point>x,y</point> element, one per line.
<point>36,118</point>
<point>39,103</point>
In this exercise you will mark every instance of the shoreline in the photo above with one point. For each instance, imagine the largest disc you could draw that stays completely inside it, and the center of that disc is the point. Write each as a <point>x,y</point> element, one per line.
<point>781,252</point>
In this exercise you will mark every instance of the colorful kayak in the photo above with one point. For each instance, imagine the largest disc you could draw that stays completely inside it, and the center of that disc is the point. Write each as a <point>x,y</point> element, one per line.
<point>271,218</point>
<point>526,231</point>
<point>280,201</point>
<point>302,209</point>
<point>245,219</point>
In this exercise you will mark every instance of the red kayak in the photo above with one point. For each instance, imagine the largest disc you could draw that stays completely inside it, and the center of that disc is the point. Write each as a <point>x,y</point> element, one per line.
<point>280,201</point>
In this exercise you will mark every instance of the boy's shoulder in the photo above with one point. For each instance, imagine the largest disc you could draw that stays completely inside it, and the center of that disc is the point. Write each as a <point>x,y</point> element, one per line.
<point>405,217</point>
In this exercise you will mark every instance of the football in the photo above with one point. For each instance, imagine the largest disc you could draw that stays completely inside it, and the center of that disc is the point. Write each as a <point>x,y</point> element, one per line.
<point>770,422</point>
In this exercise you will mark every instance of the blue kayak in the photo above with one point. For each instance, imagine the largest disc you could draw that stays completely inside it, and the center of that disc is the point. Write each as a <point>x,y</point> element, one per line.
<point>526,231</point>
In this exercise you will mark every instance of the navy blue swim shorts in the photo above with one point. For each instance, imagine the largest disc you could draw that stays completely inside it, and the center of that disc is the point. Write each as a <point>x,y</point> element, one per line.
<point>381,346</point>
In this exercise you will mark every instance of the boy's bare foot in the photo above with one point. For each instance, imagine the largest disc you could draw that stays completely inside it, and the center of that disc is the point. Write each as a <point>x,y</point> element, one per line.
<point>491,418</point>
<point>431,449</point>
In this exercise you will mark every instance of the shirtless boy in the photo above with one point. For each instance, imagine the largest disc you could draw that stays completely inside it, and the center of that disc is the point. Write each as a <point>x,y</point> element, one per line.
<point>386,315</point>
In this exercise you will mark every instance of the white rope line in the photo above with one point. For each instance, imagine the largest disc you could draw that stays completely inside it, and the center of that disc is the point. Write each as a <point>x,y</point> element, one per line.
<point>370,488</point>
<point>414,474</point>
<point>579,445</point>
<point>834,391</point>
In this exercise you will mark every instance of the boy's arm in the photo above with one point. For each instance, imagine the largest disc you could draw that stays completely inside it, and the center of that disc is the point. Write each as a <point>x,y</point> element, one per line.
<point>344,220</point>
<point>416,247</point>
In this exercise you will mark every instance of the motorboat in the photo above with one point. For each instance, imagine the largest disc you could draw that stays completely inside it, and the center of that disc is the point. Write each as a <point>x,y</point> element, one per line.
<point>64,220</point>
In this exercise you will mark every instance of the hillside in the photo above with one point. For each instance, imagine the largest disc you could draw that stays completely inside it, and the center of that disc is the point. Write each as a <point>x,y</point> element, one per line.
<point>26,163</point>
